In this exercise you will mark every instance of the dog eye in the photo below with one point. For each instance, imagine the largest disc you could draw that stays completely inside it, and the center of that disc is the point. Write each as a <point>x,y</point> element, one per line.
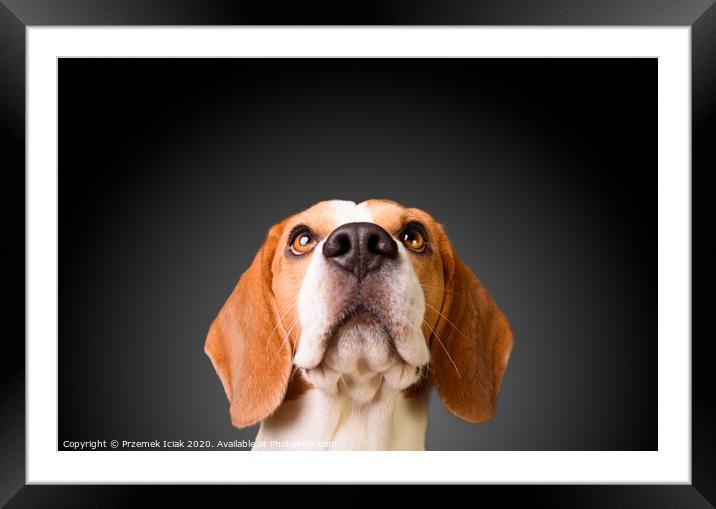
<point>302,242</point>
<point>413,239</point>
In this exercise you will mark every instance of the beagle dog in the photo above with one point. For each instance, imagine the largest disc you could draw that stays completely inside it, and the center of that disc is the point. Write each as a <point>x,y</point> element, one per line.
<point>347,316</point>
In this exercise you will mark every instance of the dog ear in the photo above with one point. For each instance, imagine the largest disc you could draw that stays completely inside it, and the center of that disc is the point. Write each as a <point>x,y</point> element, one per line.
<point>245,343</point>
<point>471,344</point>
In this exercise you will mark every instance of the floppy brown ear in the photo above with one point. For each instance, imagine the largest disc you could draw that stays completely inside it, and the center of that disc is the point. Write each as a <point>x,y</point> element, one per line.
<point>245,343</point>
<point>476,343</point>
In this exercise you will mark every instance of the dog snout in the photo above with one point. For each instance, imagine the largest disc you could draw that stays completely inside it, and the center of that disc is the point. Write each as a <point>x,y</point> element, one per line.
<point>359,248</point>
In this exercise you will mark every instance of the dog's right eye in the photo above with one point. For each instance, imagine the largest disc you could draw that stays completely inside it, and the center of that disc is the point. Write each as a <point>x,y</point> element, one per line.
<point>302,242</point>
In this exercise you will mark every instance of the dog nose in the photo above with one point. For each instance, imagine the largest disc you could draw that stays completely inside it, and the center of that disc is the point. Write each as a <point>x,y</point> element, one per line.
<point>359,247</point>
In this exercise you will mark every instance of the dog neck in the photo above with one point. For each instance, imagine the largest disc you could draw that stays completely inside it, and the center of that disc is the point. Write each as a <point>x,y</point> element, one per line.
<point>317,420</point>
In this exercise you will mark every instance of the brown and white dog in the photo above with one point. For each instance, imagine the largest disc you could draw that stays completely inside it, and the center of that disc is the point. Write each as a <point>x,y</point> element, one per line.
<point>347,316</point>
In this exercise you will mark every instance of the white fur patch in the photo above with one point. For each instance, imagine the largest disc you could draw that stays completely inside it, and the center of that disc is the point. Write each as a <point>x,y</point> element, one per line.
<point>320,421</point>
<point>412,346</point>
<point>350,212</point>
<point>305,423</point>
<point>312,311</point>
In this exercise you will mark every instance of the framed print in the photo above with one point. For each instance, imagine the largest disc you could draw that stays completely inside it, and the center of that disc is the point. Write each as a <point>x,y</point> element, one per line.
<point>414,254</point>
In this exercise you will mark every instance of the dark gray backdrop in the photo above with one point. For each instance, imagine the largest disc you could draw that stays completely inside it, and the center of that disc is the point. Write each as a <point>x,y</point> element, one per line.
<point>543,172</point>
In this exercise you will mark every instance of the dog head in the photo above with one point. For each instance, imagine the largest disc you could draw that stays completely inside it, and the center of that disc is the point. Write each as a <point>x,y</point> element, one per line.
<point>355,296</point>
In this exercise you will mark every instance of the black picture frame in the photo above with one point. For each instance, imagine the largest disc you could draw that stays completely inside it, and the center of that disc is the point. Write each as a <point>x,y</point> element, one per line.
<point>17,15</point>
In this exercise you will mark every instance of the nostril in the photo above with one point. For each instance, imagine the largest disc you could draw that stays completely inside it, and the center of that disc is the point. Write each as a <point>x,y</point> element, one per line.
<point>344,244</point>
<point>381,244</point>
<point>337,245</point>
<point>372,243</point>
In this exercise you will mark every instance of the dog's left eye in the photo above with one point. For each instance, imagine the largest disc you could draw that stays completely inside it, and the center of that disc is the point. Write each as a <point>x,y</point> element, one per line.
<point>302,242</point>
<point>413,238</point>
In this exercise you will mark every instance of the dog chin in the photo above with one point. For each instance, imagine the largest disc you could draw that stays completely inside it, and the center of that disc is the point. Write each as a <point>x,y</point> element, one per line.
<point>360,345</point>
<point>360,359</point>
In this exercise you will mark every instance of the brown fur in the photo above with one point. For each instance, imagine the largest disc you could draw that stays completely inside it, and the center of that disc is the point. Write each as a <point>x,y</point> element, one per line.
<point>244,343</point>
<point>478,338</point>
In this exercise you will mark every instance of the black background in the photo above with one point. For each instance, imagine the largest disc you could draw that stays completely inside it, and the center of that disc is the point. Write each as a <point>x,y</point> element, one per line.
<point>543,171</point>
